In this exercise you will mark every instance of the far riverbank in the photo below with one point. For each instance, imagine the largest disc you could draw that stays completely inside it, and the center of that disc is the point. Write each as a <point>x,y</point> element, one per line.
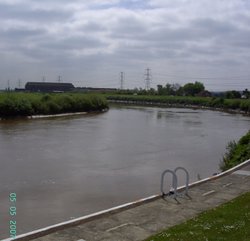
<point>241,106</point>
<point>41,104</point>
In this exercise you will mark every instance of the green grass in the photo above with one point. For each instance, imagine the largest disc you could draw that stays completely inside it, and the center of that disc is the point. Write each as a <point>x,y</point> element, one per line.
<point>211,102</point>
<point>236,152</point>
<point>229,222</point>
<point>25,104</point>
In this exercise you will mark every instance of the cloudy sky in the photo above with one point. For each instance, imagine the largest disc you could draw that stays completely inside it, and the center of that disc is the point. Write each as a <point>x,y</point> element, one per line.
<point>90,42</point>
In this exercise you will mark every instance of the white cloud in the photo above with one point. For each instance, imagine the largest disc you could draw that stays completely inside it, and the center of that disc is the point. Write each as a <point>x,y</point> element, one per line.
<point>196,38</point>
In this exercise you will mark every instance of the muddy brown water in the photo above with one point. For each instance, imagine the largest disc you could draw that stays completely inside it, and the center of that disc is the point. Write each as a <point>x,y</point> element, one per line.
<point>62,168</point>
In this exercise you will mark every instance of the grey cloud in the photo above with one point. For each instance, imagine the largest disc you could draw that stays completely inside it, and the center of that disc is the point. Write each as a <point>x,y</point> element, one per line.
<point>63,35</point>
<point>133,54</point>
<point>167,53</point>
<point>15,33</point>
<point>35,53</point>
<point>206,51</point>
<point>209,26</point>
<point>221,63</point>
<point>195,30</point>
<point>241,39</point>
<point>91,26</point>
<point>144,51</point>
<point>55,51</point>
<point>19,12</point>
<point>134,4</point>
<point>70,43</point>
<point>215,34</point>
<point>128,27</point>
<point>166,34</point>
<point>242,19</point>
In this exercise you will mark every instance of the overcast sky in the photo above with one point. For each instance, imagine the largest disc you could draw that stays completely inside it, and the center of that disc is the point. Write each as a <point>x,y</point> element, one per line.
<point>90,42</point>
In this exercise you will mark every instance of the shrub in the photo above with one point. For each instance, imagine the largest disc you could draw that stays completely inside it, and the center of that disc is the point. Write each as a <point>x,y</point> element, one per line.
<point>25,104</point>
<point>15,107</point>
<point>236,152</point>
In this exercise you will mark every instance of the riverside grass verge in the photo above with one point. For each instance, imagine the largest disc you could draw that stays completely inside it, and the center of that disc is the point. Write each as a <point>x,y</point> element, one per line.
<point>238,105</point>
<point>236,153</point>
<point>228,222</point>
<point>27,104</point>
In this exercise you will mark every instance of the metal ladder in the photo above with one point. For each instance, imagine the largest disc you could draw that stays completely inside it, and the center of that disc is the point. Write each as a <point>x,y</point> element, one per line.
<point>173,191</point>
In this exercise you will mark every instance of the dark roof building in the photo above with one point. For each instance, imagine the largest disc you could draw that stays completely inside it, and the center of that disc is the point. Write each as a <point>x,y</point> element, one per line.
<point>48,87</point>
<point>94,89</point>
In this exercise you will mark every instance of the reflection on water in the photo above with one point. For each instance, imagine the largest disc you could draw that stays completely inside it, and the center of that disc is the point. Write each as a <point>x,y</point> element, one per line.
<point>70,166</point>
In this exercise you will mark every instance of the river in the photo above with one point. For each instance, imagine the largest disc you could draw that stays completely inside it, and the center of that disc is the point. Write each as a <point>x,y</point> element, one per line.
<point>62,168</point>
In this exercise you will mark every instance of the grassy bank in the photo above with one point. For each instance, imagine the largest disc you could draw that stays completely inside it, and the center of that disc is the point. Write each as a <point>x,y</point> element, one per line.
<point>229,222</point>
<point>26,104</point>
<point>185,101</point>
<point>236,152</point>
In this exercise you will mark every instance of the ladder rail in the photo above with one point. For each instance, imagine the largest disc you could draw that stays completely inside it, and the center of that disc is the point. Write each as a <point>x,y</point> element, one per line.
<point>187,177</point>
<point>174,182</point>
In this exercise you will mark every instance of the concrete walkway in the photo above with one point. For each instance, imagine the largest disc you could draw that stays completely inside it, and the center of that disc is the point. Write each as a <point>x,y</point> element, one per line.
<point>139,220</point>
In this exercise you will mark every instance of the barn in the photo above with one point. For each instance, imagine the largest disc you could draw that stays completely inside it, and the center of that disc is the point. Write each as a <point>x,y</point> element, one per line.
<point>48,87</point>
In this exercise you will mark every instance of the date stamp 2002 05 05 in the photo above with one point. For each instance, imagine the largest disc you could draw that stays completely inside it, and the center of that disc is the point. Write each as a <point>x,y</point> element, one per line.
<point>12,212</point>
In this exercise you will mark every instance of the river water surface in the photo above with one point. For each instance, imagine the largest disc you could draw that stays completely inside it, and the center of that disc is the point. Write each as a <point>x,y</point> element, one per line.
<point>62,168</point>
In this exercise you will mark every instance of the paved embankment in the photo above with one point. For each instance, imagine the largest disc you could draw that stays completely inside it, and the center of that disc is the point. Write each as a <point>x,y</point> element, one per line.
<point>139,220</point>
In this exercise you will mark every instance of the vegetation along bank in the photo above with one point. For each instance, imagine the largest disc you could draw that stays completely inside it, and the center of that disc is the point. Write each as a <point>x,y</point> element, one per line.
<point>236,105</point>
<point>27,104</point>
<point>237,152</point>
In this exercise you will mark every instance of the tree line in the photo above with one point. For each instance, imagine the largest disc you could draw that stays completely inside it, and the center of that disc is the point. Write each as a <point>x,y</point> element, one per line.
<point>198,89</point>
<point>190,89</point>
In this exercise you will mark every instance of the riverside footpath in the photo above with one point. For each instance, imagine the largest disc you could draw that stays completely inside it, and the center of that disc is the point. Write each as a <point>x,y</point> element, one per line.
<point>138,220</point>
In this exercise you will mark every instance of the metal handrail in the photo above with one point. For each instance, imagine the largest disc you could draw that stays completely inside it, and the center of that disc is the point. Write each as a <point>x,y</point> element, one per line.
<point>187,177</point>
<point>174,182</point>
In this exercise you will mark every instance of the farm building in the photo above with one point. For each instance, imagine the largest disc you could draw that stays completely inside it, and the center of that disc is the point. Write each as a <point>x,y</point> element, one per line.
<point>94,89</point>
<point>48,87</point>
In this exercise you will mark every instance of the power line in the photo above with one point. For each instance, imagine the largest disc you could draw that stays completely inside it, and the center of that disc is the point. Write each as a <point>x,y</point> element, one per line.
<point>207,77</point>
<point>227,84</point>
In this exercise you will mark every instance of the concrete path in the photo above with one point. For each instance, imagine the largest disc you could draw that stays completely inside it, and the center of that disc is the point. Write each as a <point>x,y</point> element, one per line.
<point>149,217</point>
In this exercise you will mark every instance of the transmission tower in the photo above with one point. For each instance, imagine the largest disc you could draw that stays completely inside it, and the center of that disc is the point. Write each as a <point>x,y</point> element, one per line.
<point>148,78</point>
<point>59,79</point>
<point>122,77</point>
<point>19,83</point>
<point>8,85</point>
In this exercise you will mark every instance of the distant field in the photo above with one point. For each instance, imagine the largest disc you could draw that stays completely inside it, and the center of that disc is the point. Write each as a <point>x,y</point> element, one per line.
<point>25,104</point>
<point>229,222</point>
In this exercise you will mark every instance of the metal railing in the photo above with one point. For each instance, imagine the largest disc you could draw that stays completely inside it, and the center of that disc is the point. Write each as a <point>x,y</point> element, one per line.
<point>174,183</point>
<point>173,189</point>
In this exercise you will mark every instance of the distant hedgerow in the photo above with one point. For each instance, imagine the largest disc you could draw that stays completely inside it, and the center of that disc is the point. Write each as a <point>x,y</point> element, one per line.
<point>26,104</point>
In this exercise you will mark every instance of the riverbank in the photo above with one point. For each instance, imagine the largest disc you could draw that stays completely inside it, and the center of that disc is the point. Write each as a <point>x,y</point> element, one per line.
<point>227,222</point>
<point>236,152</point>
<point>140,219</point>
<point>64,114</point>
<point>241,106</point>
<point>38,104</point>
